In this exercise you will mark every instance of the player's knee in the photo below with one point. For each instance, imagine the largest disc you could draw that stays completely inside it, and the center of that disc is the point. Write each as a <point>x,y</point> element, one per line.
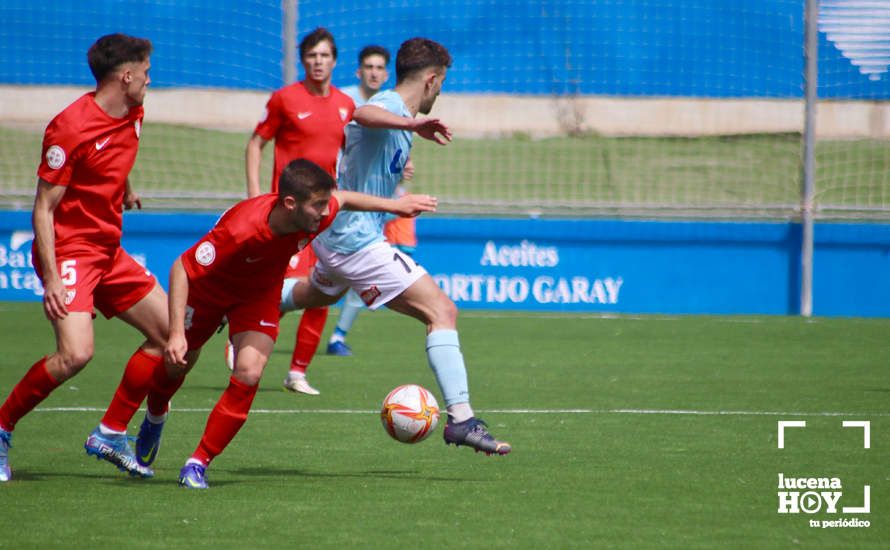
<point>72,361</point>
<point>249,376</point>
<point>446,312</point>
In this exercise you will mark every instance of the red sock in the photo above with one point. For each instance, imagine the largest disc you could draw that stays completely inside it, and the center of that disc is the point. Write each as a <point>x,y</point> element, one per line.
<point>225,420</point>
<point>27,394</point>
<point>308,337</point>
<point>162,389</point>
<point>133,388</point>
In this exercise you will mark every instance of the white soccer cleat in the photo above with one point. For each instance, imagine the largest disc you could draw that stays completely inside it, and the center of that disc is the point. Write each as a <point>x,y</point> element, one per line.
<point>230,355</point>
<point>298,383</point>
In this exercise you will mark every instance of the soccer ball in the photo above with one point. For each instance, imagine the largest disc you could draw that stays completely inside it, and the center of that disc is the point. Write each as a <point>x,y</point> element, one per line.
<point>410,413</point>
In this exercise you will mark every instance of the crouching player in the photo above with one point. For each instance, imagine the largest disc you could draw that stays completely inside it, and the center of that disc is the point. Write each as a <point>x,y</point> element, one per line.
<point>236,271</point>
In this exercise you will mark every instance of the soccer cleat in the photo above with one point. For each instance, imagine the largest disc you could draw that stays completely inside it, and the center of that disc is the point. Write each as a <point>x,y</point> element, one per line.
<point>5,444</point>
<point>339,348</point>
<point>115,448</point>
<point>298,383</point>
<point>474,433</point>
<point>148,442</point>
<point>192,476</point>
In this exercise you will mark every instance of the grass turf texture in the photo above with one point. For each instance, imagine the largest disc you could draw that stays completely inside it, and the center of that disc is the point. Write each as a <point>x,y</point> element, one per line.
<point>308,475</point>
<point>486,174</point>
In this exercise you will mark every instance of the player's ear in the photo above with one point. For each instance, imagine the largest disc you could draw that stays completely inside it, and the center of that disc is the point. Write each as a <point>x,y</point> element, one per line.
<point>289,202</point>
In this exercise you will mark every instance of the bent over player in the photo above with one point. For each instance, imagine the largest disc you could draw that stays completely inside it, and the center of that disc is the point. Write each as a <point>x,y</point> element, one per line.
<point>353,252</point>
<point>236,271</point>
<point>83,186</point>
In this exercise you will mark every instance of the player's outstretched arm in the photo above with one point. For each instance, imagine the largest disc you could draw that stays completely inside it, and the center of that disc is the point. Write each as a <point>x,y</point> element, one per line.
<point>406,206</point>
<point>45,202</point>
<point>432,129</point>
<point>174,352</point>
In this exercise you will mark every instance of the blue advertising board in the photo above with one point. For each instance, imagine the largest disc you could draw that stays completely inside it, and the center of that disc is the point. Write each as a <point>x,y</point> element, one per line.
<point>575,265</point>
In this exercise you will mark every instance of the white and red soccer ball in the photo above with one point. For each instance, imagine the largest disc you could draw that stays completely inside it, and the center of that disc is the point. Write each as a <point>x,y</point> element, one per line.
<point>410,413</point>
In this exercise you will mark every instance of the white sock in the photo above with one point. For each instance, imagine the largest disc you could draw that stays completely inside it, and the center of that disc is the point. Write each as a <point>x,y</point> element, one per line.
<point>156,419</point>
<point>105,430</point>
<point>460,412</point>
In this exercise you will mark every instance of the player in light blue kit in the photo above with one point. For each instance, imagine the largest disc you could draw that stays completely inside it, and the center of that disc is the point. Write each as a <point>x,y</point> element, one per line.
<point>352,253</point>
<point>372,75</point>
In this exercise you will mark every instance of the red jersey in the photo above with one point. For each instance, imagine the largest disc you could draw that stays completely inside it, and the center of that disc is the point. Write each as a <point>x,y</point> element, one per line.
<point>240,258</point>
<point>305,126</point>
<point>91,153</point>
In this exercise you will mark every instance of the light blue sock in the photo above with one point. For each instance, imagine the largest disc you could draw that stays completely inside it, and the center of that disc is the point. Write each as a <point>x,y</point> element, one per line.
<point>447,362</point>
<point>347,316</point>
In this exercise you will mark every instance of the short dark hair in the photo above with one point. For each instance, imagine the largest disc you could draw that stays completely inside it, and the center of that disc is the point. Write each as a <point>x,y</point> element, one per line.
<point>418,54</point>
<point>320,34</point>
<point>373,49</point>
<point>302,178</point>
<point>113,50</point>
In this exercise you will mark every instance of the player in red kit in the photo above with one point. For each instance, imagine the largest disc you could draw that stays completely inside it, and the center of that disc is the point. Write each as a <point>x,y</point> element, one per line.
<point>236,271</point>
<point>305,120</point>
<point>88,151</point>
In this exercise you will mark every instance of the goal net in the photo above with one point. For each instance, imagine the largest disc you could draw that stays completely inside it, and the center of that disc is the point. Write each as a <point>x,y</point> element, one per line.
<point>620,108</point>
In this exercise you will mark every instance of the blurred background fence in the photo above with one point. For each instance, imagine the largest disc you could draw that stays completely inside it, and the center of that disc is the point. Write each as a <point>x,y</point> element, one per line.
<point>657,108</point>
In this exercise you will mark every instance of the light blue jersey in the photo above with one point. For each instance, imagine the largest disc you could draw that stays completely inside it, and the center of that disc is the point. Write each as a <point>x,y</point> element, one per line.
<point>372,164</point>
<point>355,92</point>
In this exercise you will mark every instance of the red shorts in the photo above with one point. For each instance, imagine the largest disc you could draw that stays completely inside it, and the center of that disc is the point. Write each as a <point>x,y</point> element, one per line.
<point>204,313</point>
<point>111,280</point>
<point>301,264</point>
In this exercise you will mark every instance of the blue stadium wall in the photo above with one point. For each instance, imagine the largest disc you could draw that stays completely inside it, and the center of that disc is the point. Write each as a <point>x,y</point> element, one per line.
<point>715,48</point>
<point>576,265</point>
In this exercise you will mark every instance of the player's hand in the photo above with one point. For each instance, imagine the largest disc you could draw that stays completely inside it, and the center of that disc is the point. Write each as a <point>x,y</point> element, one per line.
<point>174,352</point>
<point>408,206</point>
<point>54,293</point>
<point>433,129</point>
<point>131,199</point>
<point>408,170</point>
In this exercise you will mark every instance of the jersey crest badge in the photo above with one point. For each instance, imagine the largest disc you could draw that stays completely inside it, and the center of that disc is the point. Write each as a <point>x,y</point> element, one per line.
<point>205,254</point>
<point>343,113</point>
<point>55,157</point>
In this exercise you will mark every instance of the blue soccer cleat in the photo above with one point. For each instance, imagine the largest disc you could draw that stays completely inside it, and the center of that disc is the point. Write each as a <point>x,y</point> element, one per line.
<point>192,476</point>
<point>474,433</point>
<point>115,448</point>
<point>339,348</point>
<point>148,442</point>
<point>5,444</point>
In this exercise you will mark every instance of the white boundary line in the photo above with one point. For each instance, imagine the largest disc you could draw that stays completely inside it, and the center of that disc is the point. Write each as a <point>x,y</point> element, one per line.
<point>678,412</point>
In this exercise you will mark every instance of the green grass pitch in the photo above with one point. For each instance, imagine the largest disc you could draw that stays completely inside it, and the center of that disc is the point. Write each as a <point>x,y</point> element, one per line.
<point>630,432</point>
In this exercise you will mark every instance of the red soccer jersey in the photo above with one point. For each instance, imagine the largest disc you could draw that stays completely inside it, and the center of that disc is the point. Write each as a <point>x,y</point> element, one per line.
<point>91,153</point>
<point>305,126</point>
<point>240,258</point>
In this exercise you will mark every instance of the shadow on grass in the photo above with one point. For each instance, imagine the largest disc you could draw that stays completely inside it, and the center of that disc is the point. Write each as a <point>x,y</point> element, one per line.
<point>412,475</point>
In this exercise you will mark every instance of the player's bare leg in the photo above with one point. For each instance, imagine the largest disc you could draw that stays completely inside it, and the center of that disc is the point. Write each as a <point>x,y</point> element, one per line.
<point>109,439</point>
<point>74,349</point>
<point>425,301</point>
<point>150,317</point>
<point>252,350</point>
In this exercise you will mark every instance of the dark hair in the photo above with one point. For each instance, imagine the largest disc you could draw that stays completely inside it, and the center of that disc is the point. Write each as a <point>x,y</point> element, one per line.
<point>312,39</point>
<point>113,50</point>
<point>373,49</point>
<point>418,54</point>
<point>302,178</point>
